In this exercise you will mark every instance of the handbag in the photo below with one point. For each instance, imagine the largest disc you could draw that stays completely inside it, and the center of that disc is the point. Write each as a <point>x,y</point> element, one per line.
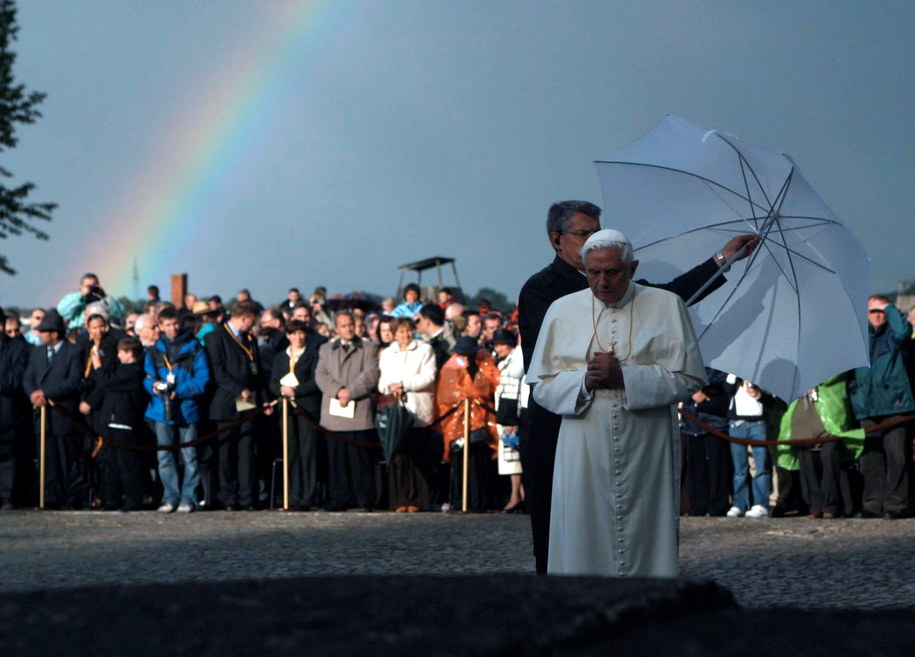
<point>507,413</point>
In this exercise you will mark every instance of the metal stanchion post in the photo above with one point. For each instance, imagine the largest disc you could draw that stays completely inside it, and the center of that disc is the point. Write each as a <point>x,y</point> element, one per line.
<point>466,475</point>
<point>285,454</point>
<point>42,459</point>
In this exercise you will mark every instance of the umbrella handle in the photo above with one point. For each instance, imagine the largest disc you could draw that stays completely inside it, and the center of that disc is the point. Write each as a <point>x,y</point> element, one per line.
<point>718,274</point>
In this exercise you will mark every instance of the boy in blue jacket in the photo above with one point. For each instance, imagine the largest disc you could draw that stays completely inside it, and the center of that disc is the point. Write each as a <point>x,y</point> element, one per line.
<point>177,374</point>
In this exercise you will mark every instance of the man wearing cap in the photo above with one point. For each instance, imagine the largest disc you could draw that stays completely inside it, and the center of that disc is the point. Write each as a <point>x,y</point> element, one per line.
<point>613,361</point>
<point>54,373</point>
<point>569,224</point>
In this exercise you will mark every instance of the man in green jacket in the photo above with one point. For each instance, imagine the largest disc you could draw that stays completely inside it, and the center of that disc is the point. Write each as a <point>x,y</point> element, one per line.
<point>822,411</point>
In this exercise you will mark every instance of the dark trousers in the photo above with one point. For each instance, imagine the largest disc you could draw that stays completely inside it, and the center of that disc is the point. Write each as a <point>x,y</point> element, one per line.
<point>352,470</point>
<point>64,484</point>
<point>7,475</point>
<point>237,484</point>
<point>407,478</point>
<point>884,467</point>
<point>820,477</point>
<point>482,477</point>
<point>537,462</point>
<point>708,474</point>
<point>303,475</point>
<point>120,470</point>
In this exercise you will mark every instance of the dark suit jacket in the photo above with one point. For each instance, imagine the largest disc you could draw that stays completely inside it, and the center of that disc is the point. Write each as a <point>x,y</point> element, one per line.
<point>232,372</point>
<point>559,278</point>
<point>307,393</point>
<point>110,363</point>
<point>60,382</point>
<point>14,358</point>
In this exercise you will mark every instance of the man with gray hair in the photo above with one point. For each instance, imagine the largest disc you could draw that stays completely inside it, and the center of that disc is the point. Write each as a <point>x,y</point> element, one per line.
<point>613,361</point>
<point>569,224</point>
<point>347,374</point>
<point>147,330</point>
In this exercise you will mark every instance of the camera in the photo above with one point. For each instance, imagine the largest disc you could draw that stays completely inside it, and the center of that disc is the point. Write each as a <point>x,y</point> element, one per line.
<point>165,391</point>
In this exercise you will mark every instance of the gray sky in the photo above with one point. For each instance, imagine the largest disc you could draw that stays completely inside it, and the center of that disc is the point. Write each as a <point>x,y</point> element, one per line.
<point>269,144</point>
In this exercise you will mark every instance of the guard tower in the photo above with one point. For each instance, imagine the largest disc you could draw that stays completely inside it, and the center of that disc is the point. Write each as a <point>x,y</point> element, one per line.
<point>905,295</point>
<point>431,291</point>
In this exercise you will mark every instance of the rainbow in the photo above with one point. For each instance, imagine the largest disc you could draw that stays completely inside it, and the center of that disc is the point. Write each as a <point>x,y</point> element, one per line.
<point>162,206</point>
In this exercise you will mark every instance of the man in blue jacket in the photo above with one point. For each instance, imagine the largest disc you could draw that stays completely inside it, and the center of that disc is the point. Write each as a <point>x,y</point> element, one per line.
<point>177,374</point>
<point>881,394</point>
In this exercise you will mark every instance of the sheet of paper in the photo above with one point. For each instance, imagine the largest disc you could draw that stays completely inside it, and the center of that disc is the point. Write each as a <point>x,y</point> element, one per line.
<point>336,409</point>
<point>289,380</point>
<point>242,405</point>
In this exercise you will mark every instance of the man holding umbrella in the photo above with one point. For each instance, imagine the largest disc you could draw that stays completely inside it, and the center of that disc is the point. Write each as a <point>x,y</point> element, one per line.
<point>569,225</point>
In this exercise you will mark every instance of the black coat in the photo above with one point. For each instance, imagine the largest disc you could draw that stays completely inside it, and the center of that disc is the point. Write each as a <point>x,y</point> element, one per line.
<point>122,399</point>
<point>234,370</point>
<point>60,382</point>
<point>275,342</point>
<point>108,350</point>
<point>307,393</point>
<point>14,359</point>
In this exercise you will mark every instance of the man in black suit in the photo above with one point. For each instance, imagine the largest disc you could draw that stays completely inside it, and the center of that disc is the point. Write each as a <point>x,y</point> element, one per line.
<point>569,225</point>
<point>238,376</point>
<point>54,373</point>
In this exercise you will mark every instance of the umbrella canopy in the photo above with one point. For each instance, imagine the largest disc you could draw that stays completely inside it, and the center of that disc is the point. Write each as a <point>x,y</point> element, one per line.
<point>392,424</point>
<point>794,314</point>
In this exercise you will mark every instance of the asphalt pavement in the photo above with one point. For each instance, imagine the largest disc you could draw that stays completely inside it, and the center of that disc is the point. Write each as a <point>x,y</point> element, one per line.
<point>766,563</point>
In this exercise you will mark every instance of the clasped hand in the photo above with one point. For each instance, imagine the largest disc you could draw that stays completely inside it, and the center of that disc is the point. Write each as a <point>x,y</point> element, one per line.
<point>604,371</point>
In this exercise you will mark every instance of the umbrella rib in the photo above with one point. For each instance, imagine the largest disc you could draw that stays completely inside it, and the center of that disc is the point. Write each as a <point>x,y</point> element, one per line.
<point>800,255</point>
<point>685,173</point>
<point>746,184</point>
<point>744,165</point>
<point>796,287</point>
<point>734,226</point>
<point>755,177</point>
<point>720,225</point>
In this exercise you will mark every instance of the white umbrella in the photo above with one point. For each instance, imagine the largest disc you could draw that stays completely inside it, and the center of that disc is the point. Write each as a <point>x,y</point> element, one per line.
<point>794,315</point>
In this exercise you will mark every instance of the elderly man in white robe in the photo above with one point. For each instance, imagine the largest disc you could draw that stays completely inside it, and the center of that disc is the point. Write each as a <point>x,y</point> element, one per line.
<point>614,360</point>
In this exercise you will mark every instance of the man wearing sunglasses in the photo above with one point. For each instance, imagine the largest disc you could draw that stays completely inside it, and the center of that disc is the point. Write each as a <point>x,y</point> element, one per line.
<point>881,394</point>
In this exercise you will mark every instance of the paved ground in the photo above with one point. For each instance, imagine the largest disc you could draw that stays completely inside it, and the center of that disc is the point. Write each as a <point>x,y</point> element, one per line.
<point>812,564</point>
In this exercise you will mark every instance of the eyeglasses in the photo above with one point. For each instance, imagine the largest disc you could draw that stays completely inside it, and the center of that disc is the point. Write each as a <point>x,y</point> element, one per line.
<point>873,311</point>
<point>580,234</point>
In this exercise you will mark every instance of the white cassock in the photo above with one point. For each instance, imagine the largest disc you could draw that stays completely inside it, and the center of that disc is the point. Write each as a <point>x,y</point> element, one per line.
<point>616,482</point>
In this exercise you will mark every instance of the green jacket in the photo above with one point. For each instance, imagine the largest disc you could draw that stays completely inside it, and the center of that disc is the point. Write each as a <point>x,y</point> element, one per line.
<point>834,411</point>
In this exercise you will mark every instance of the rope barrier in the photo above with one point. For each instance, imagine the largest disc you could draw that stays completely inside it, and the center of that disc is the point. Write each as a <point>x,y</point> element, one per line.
<point>100,442</point>
<point>826,438</point>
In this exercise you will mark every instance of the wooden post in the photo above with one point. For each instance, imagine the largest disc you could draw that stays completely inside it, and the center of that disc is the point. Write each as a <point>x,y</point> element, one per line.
<point>466,475</point>
<point>285,454</point>
<point>179,289</point>
<point>42,459</point>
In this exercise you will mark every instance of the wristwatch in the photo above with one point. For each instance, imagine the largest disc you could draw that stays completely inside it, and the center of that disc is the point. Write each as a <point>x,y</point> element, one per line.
<point>720,259</point>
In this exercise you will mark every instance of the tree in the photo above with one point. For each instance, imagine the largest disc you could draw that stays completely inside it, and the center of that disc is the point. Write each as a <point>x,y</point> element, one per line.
<point>498,300</point>
<point>17,105</point>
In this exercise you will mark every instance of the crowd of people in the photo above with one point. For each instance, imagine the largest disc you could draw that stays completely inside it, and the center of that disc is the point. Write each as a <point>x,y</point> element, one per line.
<point>176,408</point>
<point>426,404</point>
